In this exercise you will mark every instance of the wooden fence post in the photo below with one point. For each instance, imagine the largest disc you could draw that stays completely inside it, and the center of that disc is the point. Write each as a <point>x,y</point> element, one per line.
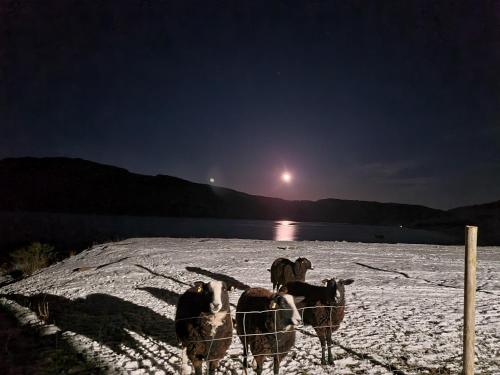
<point>469,299</point>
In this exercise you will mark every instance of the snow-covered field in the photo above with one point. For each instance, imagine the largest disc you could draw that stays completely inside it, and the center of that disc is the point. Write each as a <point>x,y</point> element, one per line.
<point>116,303</point>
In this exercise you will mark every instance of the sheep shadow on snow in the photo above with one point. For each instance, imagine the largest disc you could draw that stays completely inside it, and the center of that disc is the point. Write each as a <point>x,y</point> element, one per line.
<point>105,319</point>
<point>166,295</point>
<point>230,281</point>
<point>160,275</point>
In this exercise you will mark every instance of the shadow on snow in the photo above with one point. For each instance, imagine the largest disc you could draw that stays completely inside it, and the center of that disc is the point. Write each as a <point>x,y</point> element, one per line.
<point>107,320</point>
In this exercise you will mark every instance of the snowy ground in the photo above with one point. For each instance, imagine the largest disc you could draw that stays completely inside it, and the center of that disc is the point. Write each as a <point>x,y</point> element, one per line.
<point>403,316</point>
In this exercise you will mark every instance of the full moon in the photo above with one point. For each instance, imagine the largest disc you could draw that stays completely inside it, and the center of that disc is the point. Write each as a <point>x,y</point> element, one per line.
<point>286,177</point>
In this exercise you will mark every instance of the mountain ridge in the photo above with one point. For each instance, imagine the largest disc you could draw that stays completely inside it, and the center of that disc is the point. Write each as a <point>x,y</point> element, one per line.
<point>74,185</point>
<point>65,180</point>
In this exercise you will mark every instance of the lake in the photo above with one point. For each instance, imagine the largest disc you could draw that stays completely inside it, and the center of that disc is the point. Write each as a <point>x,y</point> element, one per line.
<point>75,231</point>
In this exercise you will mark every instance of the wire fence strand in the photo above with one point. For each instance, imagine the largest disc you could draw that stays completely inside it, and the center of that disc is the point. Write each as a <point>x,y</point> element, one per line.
<point>274,333</point>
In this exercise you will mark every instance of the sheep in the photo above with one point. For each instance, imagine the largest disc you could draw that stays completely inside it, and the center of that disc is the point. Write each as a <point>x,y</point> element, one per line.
<point>203,325</point>
<point>325,320</point>
<point>268,325</point>
<point>284,270</point>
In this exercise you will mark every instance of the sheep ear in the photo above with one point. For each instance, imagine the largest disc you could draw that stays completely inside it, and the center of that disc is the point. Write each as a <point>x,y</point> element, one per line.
<point>298,299</point>
<point>348,282</point>
<point>199,286</point>
<point>274,301</point>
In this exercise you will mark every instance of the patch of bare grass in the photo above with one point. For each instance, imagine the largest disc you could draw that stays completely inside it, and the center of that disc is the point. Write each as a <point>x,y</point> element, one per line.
<point>32,258</point>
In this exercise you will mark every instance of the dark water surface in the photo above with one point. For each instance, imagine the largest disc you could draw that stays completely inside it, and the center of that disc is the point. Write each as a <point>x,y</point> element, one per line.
<point>78,230</point>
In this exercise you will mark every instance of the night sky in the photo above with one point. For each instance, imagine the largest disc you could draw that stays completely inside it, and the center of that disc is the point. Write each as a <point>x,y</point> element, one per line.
<point>374,100</point>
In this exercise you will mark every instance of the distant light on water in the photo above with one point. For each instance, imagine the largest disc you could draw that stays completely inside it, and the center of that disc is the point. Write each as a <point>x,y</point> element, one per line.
<point>212,180</point>
<point>284,230</point>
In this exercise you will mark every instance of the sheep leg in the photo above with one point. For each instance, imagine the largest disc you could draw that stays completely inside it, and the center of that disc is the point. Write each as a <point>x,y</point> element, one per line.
<point>329,344</point>
<point>245,356</point>
<point>276,364</point>
<point>322,339</point>
<point>197,367</point>
<point>259,359</point>
<point>323,343</point>
<point>212,367</point>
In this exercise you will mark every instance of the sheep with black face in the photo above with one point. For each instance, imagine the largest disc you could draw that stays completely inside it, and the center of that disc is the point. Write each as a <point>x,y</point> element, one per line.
<point>284,271</point>
<point>203,324</point>
<point>323,309</point>
<point>265,322</point>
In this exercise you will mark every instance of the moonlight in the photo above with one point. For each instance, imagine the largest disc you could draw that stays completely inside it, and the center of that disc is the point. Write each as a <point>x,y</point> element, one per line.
<point>286,177</point>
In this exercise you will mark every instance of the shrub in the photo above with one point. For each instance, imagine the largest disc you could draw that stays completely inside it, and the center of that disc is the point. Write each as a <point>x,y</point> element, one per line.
<point>42,309</point>
<point>32,258</point>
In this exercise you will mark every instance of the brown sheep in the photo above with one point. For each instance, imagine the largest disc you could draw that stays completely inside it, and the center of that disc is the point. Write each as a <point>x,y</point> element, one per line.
<point>203,324</point>
<point>325,320</point>
<point>284,271</point>
<point>267,313</point>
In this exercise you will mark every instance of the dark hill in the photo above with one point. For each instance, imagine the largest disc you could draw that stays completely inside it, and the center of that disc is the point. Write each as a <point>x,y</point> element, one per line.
<point>80,186</point>
<point>485,216</point>
<point>478,212</point>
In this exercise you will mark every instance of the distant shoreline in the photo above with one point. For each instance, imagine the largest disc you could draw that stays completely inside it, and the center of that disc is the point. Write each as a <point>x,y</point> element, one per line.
<point>67,186</point>
<point>78,231</point>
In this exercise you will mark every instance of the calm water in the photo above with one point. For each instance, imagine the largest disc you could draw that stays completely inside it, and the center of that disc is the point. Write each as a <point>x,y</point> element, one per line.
<point>69,229</point>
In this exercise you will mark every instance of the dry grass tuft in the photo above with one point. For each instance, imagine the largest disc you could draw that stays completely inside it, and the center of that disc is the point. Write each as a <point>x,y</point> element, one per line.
<point>30,259</point>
